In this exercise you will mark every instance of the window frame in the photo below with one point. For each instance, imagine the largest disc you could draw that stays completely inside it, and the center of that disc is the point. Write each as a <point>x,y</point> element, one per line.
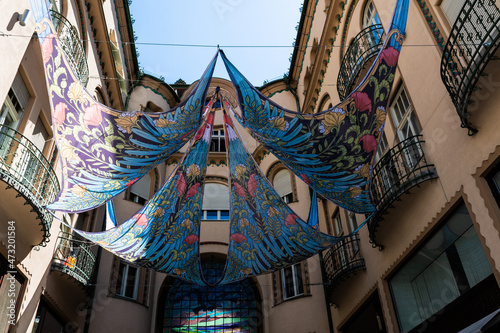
<point>286,197</point>
<point>457,275</point>
<point>218,141</point>
<point>121,287</point>
<point>297,283</point>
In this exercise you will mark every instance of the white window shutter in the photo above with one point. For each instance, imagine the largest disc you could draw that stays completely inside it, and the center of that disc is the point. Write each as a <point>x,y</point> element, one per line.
<point>282,182</point>
<point>215,197</point>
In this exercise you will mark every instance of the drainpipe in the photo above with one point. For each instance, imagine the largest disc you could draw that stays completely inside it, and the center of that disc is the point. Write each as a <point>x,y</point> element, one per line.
<point>327,305</point>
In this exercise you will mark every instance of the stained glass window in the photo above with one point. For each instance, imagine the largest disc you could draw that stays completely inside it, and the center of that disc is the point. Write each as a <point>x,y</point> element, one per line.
<point>228,308</point>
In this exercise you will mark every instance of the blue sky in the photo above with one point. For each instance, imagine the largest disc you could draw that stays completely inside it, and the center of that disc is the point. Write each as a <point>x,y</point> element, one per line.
<point>254,24</point>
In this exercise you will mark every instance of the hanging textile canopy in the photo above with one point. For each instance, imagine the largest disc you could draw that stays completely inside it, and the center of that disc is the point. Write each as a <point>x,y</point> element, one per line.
<point>104,151</point>
<point>265,234</point>
<point>332,151</point>
<point>164,235</point>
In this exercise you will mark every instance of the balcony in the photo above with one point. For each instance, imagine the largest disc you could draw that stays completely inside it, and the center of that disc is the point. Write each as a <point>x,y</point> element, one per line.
<point>341,261</point>
<point>74,258</point>
<point>473,41</point>
<point>362,49</point>
<point>72,46</point>
<point>28,175</point>
<point>400,169</point>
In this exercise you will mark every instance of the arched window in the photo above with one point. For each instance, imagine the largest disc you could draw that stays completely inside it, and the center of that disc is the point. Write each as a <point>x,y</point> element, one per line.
<point>282,183</point>
<point>215,202</point>
<point>370,15</point>
<point>186,307</point>
<point>324,105</point>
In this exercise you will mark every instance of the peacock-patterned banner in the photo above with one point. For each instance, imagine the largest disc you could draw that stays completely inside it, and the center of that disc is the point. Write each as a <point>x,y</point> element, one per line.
<point>333,150</point>
<point>105,151</point>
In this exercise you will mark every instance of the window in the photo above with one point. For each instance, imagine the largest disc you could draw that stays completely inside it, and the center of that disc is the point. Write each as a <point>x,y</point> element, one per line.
<point>218,143</point>
<point>353,225</point>
<point>128,278</point>
<point>215,202</point>
<point>11,290</point>
<point>407,126</point>
<point>382,148</point>
<point>129,281</point>
<point>337,226</point>
<point>139,191</point>
<point>188,307</point>
<point>282,183</point>
<point>15,104</point>
<point>291,281</point>
<point>370,16</point>
<point>47,320</point>
<point>403,116</point>
<point>451,9</point>
<point>56,5</point>
<point>445,267</point>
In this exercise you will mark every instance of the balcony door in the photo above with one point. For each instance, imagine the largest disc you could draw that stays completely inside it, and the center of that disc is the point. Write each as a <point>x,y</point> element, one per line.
<point>407,126</point>
<point>12,112</point>
<point>370,17</point>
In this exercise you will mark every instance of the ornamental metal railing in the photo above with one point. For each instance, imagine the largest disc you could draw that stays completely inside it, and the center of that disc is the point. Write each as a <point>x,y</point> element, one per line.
<point>72,46</point>
<point>342,260</point>
<point>473,40</point>
<point>24,167</point>
<point>364,47</point>
<point>74,257</point>
<point>401,168</point>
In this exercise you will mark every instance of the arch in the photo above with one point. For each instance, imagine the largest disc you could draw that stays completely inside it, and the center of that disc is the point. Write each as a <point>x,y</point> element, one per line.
<point>232,306</point>
<point>324,100</point>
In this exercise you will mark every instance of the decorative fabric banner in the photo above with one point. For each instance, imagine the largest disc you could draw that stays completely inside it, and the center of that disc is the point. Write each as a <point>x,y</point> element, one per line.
<point>103,151</point>
<point>332,151</point>
<point>164,235</point>
<point>265,234</point>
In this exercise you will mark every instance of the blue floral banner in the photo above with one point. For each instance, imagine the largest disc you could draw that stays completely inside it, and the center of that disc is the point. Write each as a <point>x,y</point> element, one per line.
<point>332,151</point>
<point>104,151</point>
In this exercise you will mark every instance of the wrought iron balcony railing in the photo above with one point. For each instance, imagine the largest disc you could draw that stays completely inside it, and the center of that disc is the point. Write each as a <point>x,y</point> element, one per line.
<point>474,39</point>
<point>74,258</point>
<point>363,48</point>
<point>24,167</point>
<point>72,46</point>
<point>341,261</point>
<point>401,168</point>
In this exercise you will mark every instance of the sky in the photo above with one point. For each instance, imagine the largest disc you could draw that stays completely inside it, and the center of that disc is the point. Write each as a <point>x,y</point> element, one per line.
<point>256,36</point>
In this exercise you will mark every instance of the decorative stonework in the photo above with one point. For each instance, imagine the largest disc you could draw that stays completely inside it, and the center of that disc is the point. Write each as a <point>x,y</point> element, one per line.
<point>432,24</point>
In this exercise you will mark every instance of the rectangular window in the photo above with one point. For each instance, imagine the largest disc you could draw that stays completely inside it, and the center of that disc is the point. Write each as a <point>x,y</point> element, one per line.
<point>12,112</point>
<point>128,278</point>
<point>407,126</point>
<point>337,226</point>
<point>382,148</point>
<point>215,215</point>
<point>291,281</point>
<point>449,264</point>
<point>218,143</point>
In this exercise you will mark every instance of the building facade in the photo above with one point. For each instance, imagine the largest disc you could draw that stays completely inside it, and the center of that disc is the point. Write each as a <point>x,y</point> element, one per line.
<point>426,261</point>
